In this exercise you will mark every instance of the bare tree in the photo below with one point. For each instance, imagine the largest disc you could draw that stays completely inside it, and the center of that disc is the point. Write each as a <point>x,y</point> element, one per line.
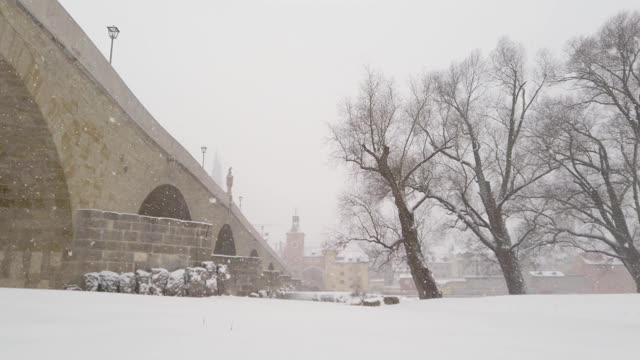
<point>388,141</point>
<point>595,138</point>
<point>492,161</point>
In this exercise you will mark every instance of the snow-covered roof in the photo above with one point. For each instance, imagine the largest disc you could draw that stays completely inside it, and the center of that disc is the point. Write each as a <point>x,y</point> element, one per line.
<point>601,261</point>
<point>546,273</point>
<point>446,281</point>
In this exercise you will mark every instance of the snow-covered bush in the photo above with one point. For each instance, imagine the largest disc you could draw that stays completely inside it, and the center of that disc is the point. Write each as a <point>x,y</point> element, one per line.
<point>196,281</point>
<point>175,283</point>
<point>159,278</point>
<point>91,281</point>
<point>207,280</point>
<point>128,283</point>
<point>108,281</point>
<point>143,282</point>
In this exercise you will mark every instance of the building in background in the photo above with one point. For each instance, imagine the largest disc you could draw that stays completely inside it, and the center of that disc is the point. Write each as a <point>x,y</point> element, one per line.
<point>293,251</point>
<point>324,269</point>
<point>469,275</point>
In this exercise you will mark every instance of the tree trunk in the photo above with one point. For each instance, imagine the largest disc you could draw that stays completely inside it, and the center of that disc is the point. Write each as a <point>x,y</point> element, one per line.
<point>632,263</point>
<point>512,272</point>
<point>422,276</point>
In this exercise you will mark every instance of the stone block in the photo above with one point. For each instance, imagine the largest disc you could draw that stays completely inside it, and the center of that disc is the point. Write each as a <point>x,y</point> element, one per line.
<point>16,266</point>
<point>131,236</point>
<point>146,248</point>
<point>140,257</point>
<point>84,233</point>
<point>158,228</point>
<point>141,227</point>
<point>124,256</point>
<point>55,259</point>
<point>112,235</point>
<point>164,249</point>
<point>121,225</point>
<point>87,254</point>
<point>130,218</point>
<point>111,215</point>
<point>150,237</point>
<point>36,263</point>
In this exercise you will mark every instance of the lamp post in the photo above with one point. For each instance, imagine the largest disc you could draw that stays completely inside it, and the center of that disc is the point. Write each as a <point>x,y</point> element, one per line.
<point>204,150</point>
<point>113,34</point>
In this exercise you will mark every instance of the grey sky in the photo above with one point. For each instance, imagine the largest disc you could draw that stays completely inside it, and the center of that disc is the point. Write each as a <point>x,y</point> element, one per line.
<point>259,80</point>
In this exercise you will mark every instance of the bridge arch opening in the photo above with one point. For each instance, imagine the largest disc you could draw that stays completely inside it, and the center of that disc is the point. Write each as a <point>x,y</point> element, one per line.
<point>225,245</point>
<point>35,204</point>
<point>165,201</point>
<point>254,253</point>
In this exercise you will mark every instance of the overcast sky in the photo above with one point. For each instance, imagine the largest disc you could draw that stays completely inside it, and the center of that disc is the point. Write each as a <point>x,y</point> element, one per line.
<point>259,80</point>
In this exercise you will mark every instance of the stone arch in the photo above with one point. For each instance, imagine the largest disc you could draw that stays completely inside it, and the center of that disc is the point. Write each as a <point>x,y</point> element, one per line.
<point>165,201</point>
<point>225,245</point>
<point>35,205</point>
<point>254,253</point>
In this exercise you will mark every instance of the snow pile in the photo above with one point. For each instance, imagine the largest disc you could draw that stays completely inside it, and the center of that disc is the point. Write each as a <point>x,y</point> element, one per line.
<point>41,324</point>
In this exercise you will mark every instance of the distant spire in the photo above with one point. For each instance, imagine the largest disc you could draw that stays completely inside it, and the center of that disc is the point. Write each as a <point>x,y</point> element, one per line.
<point>295,222</point>
<point>217,170</point>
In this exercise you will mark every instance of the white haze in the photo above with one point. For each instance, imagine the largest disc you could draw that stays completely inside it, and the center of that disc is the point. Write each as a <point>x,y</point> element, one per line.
<point>259,80</point>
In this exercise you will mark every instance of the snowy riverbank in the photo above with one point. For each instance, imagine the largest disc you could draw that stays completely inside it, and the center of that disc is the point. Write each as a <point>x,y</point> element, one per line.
<point>38,324</point>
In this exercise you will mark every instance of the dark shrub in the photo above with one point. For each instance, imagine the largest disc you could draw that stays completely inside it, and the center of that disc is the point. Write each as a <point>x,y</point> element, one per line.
<point>391,300</point>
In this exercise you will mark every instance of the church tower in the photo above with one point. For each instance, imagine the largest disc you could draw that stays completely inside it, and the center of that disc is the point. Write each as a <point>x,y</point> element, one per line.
<point>294,247</point>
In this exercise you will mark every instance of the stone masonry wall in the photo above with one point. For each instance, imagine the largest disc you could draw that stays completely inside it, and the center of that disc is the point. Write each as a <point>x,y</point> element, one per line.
<point>125,242</point>
<point>35,211</point>
<point>246,274</point>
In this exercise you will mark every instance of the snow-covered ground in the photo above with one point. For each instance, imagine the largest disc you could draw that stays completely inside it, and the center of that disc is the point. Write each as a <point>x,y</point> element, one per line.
<point>68,325</point>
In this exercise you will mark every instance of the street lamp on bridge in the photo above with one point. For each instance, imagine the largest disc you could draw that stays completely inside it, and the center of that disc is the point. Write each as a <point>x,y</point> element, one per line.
<point>113,34</point>
<point>204,150</point>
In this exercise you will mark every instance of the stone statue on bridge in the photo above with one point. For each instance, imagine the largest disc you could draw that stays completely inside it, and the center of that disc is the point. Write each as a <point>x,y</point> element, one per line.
<point>229,183</point>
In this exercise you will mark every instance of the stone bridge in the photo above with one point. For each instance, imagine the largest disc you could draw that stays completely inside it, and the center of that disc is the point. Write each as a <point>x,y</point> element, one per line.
<point>88,179</point>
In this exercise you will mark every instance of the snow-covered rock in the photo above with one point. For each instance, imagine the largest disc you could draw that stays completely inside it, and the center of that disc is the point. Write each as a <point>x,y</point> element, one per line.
<point>109,281</point>
<point>391,300</point>
<point>128,283</point>
<point>371,302</point>
<point>143,282</point>
<point>91,281</point>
